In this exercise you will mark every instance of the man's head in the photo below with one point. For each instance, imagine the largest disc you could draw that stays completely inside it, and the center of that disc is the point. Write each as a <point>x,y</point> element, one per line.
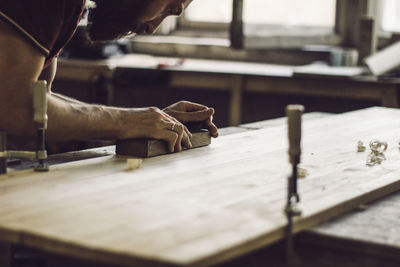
<point>113,19</point>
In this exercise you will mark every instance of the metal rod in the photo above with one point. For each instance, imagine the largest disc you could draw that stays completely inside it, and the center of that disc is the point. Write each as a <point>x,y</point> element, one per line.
<point>40,139</point>
<point>294,179</point>
<point>3,148</point>
<point>289,243</point>
<point>294,113</point>
<point>289,227</point>
<point>41,151</point>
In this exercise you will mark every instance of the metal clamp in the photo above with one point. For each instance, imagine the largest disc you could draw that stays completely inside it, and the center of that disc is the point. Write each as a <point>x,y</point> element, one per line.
<point>294,113</point>
<point>39,89</point>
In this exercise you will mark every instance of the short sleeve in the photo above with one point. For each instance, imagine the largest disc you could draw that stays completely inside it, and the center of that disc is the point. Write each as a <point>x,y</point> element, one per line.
<point>47,24</point>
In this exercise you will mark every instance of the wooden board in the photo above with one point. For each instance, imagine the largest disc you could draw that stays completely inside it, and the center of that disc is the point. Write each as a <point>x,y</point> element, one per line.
<point>203,206</point>
<point>147,148</point>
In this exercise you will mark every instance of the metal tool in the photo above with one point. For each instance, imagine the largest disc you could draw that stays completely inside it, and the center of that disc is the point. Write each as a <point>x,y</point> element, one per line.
<point>293,113</point>
<point>39,91</point>
<point>147,147</point>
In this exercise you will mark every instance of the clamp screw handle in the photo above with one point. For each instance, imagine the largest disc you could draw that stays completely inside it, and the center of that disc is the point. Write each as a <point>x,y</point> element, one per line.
<point>294,113</point>
<point>39,91</point>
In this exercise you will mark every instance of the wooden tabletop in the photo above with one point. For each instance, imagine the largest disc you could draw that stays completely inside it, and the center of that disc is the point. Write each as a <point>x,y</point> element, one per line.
<point>203,206</point>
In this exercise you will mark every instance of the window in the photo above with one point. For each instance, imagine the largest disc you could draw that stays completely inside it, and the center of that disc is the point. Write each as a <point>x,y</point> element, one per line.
<point>290,12</point>
<point>283,12</point>
<point>390,16</point>
<point>275,20</point>
<point>219,11</point>
<point>211,28</point>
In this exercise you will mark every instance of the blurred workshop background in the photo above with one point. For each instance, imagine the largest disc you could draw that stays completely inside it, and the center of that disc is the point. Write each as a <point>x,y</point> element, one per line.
<point>248,59</point>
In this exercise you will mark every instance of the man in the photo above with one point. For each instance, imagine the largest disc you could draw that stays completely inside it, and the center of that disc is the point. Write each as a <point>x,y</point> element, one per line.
<point>32,33</point>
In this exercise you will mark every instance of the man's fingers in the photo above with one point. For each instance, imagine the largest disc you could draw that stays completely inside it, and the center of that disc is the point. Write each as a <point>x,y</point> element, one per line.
<point>203,115</point>
<point>184,138</point>
<point>213,130</point>
<point>200,115</point>
<point>190,106</point>
<point>183,135</point>
<point>180,131</point>
<point>187,144</point>
<point>188,132</point>
<point>212,127</point>
<point>171,137</point>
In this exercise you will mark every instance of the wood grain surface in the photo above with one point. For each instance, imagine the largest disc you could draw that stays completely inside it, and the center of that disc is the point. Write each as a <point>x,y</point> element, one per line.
<point>203,206</point>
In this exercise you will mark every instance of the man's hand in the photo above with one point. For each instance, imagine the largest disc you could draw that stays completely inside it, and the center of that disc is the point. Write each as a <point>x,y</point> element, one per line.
<point>153,123</point>
<point>185,111</point>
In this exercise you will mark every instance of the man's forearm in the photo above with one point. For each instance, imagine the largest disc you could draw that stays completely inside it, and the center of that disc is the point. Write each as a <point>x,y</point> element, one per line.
<point>72,119</point>
<point>67,99</point>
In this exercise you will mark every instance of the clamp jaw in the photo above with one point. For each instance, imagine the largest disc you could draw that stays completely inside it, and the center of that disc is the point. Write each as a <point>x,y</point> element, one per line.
<point>293,113</point>
<point>39,92</point>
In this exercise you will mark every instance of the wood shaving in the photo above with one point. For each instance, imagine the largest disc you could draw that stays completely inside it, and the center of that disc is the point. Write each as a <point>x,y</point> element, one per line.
<point>376,155</point>
<point>361,147</point>
<point>302,173</point>
<point>133,164</point>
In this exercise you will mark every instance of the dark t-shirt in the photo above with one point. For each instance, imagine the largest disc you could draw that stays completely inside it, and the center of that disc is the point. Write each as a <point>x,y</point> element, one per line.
<point>47,24</point>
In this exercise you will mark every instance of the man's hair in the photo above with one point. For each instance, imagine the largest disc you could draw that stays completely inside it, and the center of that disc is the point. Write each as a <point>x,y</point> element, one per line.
<point>113,19</point>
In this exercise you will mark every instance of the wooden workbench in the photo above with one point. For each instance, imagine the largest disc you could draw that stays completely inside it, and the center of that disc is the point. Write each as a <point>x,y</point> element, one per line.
<point>177,211</point>
<point>235,78</point>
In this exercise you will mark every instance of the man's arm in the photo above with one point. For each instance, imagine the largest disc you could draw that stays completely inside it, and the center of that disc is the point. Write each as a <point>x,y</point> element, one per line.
<point>183,111</point>
<point>21,64</point>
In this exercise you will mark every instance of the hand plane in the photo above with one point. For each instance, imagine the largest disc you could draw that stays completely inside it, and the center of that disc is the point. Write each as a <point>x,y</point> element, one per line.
<point>146,147</point>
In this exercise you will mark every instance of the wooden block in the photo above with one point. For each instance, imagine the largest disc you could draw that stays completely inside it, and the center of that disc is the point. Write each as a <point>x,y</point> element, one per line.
<point>146,148</point>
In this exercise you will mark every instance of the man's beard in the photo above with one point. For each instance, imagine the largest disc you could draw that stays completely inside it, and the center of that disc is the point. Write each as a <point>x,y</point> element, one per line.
<point>108,25</point>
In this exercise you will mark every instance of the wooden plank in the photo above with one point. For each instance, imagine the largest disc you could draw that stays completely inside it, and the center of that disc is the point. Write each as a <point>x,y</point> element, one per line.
<point>375,228</point>
<point>369,235</point>
<point>281,121</point>
<point>203,206</point>
<point>268,123</point>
